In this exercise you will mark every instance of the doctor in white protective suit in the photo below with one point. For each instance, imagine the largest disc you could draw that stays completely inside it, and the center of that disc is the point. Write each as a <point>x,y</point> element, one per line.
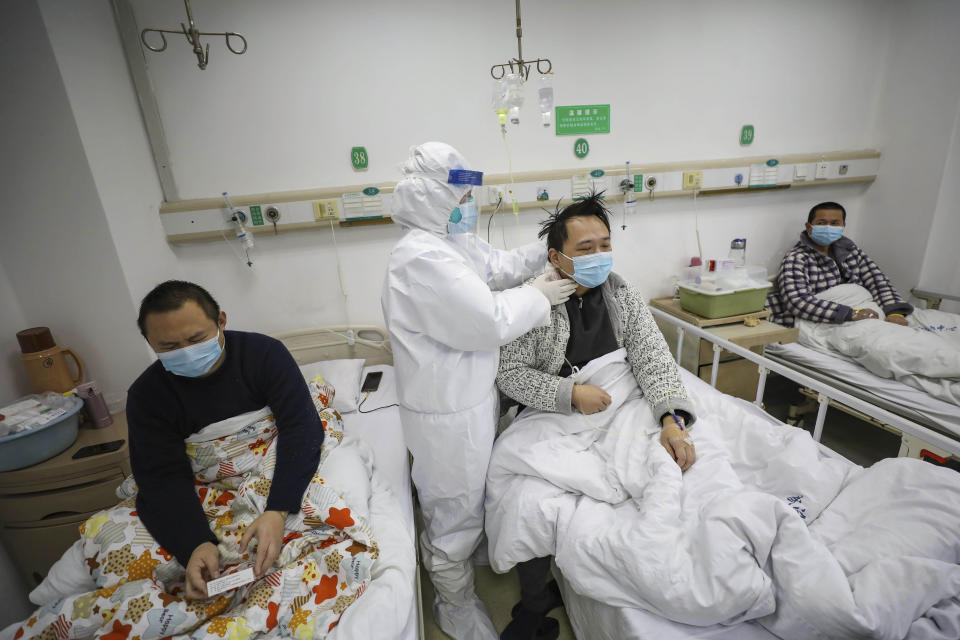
<point>450,301</point>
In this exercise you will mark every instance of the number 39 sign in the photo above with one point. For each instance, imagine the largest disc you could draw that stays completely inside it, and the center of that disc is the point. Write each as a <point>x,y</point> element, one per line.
<point>359,158</point>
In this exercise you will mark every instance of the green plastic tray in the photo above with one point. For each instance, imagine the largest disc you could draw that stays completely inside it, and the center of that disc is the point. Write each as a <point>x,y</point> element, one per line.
<point>722,304</point>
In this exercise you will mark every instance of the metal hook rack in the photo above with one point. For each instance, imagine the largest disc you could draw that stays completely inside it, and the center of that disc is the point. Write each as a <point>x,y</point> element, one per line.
<point>518,65</point>
<point>193,37</point>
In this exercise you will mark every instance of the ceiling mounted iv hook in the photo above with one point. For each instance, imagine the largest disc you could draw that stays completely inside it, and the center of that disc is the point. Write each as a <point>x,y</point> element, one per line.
<point>193,37</point>
<point>192,34</point>
<point>518,65</point>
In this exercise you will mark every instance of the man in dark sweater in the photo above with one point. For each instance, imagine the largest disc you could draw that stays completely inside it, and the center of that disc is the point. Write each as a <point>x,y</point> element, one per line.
<point>205,375</point>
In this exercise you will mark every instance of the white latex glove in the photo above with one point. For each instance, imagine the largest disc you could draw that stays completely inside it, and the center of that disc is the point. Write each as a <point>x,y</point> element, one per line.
<point>556,291</point>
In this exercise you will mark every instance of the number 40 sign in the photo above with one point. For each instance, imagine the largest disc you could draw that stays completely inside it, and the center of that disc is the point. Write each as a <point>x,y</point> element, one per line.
<point>359,158</point>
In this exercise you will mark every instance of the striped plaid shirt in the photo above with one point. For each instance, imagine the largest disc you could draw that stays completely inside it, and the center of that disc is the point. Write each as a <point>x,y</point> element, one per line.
<point>805,272</point>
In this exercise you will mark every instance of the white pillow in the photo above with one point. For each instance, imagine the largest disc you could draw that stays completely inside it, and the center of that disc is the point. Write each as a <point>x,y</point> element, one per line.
<point>343,375</point>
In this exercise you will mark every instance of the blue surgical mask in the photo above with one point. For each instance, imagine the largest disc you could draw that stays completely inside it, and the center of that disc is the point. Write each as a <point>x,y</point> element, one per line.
<point>592,269</point>
<point>193,361</point>
<point>463,218</point>
<point>824,234</point>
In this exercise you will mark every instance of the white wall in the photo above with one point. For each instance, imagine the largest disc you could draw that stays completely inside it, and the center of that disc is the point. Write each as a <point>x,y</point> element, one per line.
<point>13,380</point>
<point>918,110</point>
<point>56,247</point>
<point>941,266</point>
<point>284,115</point>
<point>104,104</point>
<point>681,78</point>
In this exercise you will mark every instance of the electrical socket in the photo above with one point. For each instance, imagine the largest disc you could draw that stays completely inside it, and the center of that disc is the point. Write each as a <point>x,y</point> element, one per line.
<point>326,210</point>
<point>494,193</point>
<point>821,173</point>
<point>693,179</point>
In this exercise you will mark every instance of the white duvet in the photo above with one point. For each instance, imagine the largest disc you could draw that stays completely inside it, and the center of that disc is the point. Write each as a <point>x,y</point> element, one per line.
<point>924,355</point>
<point>764,526</point>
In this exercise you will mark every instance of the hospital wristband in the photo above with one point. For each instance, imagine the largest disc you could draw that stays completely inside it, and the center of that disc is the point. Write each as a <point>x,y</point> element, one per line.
<point>896,314</point>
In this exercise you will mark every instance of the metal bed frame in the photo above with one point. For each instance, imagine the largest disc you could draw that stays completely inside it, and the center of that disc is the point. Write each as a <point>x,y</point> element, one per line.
<point>825,392</point>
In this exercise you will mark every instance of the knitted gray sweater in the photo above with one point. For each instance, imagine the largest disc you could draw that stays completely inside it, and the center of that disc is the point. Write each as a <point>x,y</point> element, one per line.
<point>529,365</point>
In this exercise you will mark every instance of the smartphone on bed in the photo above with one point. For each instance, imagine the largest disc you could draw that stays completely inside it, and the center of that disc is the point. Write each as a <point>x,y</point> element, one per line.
<point>372,382</point>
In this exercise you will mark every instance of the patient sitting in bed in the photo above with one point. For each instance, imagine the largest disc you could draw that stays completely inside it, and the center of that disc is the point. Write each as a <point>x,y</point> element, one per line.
<point>205,375</point>
<point>604,315</point>
<point>824,258</point>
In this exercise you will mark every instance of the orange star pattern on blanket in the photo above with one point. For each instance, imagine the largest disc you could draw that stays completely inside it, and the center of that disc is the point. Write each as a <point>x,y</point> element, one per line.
<point>340,518</point>
<point>326,589</point>
<point>219,626</point>
<point>142,567</point>
<point>272,622</point>
<point>120,631</point>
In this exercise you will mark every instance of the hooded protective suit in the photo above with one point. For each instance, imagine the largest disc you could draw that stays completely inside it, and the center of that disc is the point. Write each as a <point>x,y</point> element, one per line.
<point>449,306</point>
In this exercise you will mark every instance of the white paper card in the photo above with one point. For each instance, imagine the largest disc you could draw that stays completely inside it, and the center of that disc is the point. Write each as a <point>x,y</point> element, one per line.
<point>231,581</point>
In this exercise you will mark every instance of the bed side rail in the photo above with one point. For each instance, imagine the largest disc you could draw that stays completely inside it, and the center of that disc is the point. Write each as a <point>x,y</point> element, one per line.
<point>933,298</point>
<point>825,391</point>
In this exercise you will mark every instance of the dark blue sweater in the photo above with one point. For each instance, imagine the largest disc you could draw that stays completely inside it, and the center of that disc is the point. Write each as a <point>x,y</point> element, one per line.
<point>163,409</point>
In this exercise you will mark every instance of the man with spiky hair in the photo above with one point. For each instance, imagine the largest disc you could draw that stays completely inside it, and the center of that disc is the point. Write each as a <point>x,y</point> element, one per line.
<point>604,314</point>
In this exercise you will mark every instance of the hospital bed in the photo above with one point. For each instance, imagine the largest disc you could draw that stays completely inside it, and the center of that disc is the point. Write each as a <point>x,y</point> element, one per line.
<point>378,426</point>
<point>377,421</point>
<point>597,620</point>
<point>891,395</point>
<point>600,621</point>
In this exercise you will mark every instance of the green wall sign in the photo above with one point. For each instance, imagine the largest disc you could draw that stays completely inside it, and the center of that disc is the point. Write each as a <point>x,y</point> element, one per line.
<point>746,135</point>
<point>256,215</point>
<point>371,191</point>
<point>359,158</point>
<point>581,148</point>
<point>583,118</point>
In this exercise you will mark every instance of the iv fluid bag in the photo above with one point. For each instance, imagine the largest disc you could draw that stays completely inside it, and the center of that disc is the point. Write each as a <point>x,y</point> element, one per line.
<point>545,95</point>
<point>513,89</point>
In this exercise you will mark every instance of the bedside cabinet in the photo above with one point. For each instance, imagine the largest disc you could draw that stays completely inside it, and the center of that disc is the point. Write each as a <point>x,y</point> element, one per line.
<point>41,507</point>
<point>735,375</point>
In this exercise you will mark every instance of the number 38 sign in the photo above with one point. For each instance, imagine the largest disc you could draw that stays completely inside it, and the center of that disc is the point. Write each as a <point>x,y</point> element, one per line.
<point>359,158</point>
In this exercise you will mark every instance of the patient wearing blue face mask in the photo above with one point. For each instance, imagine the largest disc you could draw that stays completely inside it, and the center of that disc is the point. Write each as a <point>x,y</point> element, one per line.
<point>205,374</point>
<point>823,258</point>
<point>604,315</point>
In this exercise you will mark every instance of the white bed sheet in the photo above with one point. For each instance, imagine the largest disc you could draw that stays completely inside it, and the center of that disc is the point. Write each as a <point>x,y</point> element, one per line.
<point>381,430</point>
<point>600,621</point>
<point>939,412</point>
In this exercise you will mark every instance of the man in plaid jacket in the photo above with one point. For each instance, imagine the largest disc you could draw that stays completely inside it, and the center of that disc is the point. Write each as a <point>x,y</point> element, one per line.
<point>822,259</point>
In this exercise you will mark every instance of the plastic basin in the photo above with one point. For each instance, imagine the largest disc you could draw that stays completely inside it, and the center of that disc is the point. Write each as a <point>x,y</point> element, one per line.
<point>27,448</point>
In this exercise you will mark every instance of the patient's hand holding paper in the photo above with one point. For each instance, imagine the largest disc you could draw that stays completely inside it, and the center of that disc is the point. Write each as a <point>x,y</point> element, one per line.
<point>230,581</point>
